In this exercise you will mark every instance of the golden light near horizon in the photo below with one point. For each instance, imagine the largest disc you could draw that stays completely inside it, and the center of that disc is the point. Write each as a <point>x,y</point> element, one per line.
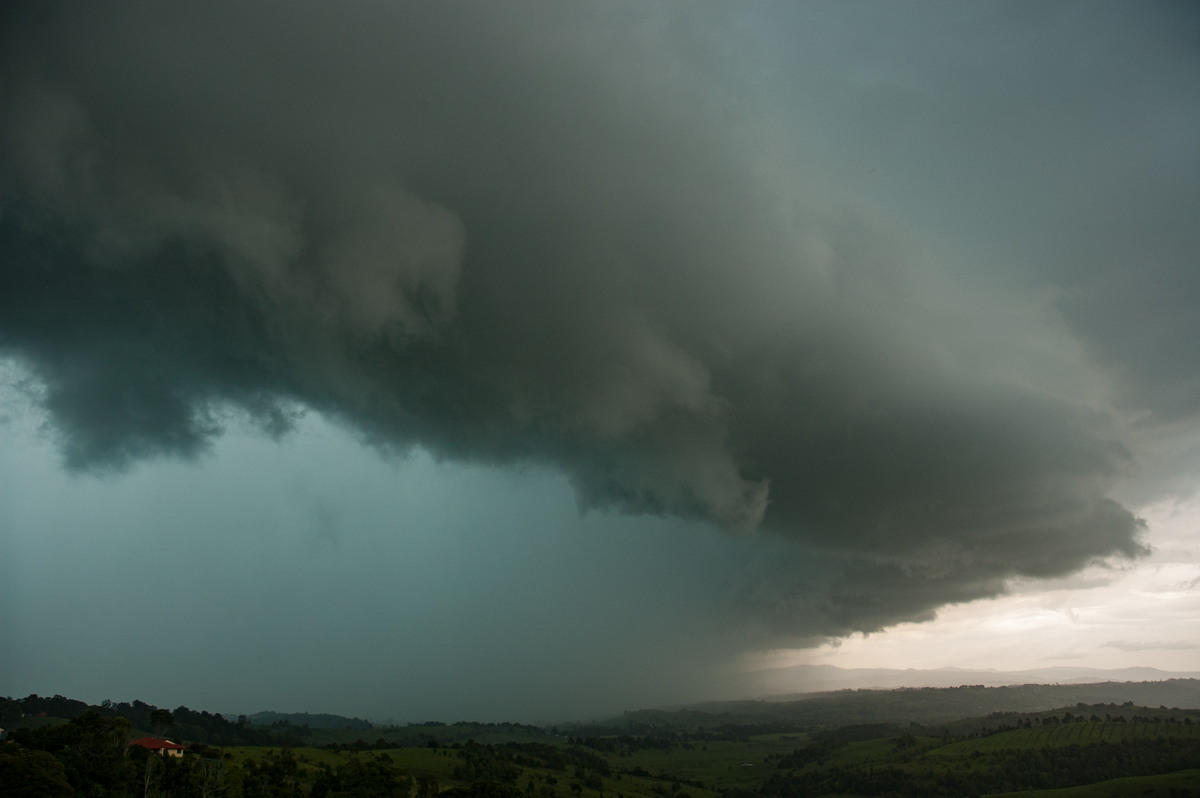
<point>1107,615</point>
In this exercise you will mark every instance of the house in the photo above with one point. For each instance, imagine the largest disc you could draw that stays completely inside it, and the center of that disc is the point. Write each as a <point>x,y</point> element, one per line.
<point>159,746</point>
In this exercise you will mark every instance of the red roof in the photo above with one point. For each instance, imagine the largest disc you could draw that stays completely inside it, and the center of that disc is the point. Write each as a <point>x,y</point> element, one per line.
<point>156,744</point>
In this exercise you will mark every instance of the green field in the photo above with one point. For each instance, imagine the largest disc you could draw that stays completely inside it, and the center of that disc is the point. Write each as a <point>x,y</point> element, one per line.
<point>1169,785</point>
<point>1052,753</point>
<point>416,761</point>
<point>1058,735</point>
<point>446,734</point>
<point>441,764</point>
<point>797,763</point>
<point>719,763</point>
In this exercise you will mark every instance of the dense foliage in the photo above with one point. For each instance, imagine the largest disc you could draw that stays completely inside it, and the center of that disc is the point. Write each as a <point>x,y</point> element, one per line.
<point>186,723</point>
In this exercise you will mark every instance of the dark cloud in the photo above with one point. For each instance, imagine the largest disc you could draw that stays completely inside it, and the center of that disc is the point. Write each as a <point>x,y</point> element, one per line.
<point>594,237</point>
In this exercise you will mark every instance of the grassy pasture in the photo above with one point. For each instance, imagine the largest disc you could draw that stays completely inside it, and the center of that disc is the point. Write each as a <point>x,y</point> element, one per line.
<point>1060,735</point>
<point>1167,785</point>
<point>33,722</point>
<point>748,763</point>
<point>865,753</point>
<point>441,763</point>
<point>416,736</point>
<point>718,763</point>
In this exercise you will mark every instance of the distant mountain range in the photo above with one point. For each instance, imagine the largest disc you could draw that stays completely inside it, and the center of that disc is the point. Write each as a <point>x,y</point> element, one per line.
<point>799,679</point>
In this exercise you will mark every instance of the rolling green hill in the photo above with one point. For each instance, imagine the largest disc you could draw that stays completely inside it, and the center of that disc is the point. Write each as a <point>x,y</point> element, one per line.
<point>758,751</point>
<point>925,705</point>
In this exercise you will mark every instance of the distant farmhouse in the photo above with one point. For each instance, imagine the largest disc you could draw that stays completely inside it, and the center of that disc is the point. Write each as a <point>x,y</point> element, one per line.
<point>159,746</point>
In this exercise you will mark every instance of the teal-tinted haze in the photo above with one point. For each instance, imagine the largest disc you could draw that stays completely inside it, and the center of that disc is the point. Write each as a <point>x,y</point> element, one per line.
<point>536,359</point>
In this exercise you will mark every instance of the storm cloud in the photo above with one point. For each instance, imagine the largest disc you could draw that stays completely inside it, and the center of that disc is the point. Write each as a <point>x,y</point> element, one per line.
<point>899,290</point>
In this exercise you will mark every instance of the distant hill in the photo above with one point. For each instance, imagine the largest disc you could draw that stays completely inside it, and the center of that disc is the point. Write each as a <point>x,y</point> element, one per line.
<point>803,679</point>
<point>925,705</point>
<point>312,721</point>
<point>187,724</point>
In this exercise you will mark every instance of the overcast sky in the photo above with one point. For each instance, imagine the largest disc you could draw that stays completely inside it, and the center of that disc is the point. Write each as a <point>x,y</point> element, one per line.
<point>540,360</point>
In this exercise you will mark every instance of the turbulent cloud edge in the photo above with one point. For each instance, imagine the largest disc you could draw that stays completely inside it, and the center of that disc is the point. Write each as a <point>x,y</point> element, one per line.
<point>549,235</point>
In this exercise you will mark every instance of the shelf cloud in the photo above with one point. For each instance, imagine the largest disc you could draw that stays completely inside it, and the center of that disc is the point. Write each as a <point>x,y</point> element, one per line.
<point>907,316</point>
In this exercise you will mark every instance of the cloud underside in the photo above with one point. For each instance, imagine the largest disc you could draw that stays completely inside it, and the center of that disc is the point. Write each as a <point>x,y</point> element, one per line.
<point>553,235</point>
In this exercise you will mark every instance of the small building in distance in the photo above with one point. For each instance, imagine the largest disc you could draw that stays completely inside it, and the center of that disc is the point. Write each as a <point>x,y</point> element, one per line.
<point>159,746</point>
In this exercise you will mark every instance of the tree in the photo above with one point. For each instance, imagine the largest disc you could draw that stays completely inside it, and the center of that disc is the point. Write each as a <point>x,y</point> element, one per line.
<point>161,720</point>
<point>149,771</point>
<point>32,774</point>
<point>213,775</point>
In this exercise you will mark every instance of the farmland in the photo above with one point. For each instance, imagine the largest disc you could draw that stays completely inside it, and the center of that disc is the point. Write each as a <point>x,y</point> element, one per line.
<point>1071,752</point>
<point>1051,751</point>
